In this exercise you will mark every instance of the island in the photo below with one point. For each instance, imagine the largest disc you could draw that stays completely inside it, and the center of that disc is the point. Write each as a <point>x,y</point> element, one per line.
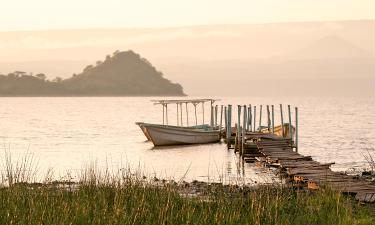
<point>120,74</point>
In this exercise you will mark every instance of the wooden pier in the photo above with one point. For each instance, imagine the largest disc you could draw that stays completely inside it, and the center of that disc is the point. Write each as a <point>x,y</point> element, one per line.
<point>266,147</point>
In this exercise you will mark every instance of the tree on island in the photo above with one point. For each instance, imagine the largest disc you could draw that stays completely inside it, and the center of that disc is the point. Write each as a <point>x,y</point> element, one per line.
<point>122,74</point>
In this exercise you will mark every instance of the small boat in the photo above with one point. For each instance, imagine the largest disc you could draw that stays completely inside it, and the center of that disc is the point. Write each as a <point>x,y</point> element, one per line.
<point>165,134</point>
<point>161,135</point>
<point>279,130</point>
<point>145,132</point>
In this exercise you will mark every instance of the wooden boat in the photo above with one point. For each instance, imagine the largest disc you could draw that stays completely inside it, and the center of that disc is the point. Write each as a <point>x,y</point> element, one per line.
<point>145,132</point>
<point>162,135</point>
<point>279,130</point>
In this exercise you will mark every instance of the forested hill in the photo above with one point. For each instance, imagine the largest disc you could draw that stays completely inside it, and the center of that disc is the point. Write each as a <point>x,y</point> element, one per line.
<point>122,74</point>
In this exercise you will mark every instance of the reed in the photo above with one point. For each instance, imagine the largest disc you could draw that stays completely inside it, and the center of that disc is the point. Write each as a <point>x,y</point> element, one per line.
<point>124,197</point>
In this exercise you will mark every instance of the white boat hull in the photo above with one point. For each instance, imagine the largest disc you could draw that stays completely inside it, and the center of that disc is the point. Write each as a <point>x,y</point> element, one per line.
<point>162,135</point>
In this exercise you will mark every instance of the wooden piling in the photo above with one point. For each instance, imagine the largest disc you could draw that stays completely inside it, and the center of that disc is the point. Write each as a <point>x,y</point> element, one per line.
<point>221,117</point>
<point>250,118</point>
<point>296,142</point>
<point>255,116</point>
<point>282,120</point>
<point>239,107</point>
<point>239,114</point>
<point>243,128</point>
<point>268,119</point>
<point>273,118</point>
<point>290,122</point>
<point>226,119</point>
<point>229,131</point>
<point>260,117</point>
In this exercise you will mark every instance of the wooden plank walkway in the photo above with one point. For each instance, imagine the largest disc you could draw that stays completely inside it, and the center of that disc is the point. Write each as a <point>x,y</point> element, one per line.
<point>303,169</point>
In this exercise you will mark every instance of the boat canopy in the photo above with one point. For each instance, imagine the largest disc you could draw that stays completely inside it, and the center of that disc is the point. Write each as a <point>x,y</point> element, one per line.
<point>180,101</point>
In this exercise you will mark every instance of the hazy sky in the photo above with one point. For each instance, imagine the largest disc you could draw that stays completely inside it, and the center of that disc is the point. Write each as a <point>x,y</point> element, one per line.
<point>47,14</point>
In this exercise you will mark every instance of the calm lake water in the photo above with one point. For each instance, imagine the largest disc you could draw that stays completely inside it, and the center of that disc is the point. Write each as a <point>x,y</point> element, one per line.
<point>69,134</point>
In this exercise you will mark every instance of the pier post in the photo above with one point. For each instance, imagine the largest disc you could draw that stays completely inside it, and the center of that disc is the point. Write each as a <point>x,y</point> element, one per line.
<point>296,112</point>
<point>229,131</point>
<point>273,118</point>
<point>282,120</point>
<point>212,116</point>
<point>249,118</point>
<point>236,137</point>
<point>260,117</point>
<point>290,123</point>
<point>221,117</point>
<point>239,114</point>
<point>243,128</point>
<point>239,107</point>
<point>269,118</point>
<point>255,116</point>
<point>226,119</point>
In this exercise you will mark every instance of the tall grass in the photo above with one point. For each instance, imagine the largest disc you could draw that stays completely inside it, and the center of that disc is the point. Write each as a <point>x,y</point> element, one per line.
<point>370,159</point>
<point>124,198</point>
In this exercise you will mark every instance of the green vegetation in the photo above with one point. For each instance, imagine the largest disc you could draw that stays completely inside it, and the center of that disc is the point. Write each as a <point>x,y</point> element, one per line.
<point>123,197</point>
<point>122,74</point>
<point>130,201</point>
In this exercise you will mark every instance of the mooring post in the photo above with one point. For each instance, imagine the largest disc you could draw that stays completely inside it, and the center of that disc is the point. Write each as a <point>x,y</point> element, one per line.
<point>239,114</point>
<point>255,117</point>
<point>229,131</point>
<point>236,137</point>
<point>225,120</point>
<point>290,123</point>
<point>221,117</point>
<point>273,118</point>
<point>238,122</point>
<point>260,117</point>
<point>243,128</point>
<point>249,118</point>
<point>187,114</point>
<point>268,119</point>
<point>282,120</point>
<point>296,128</point>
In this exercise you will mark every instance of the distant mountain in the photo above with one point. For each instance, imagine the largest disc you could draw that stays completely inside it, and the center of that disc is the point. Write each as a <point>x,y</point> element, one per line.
<point>331,47</point>
<point>123,74</point>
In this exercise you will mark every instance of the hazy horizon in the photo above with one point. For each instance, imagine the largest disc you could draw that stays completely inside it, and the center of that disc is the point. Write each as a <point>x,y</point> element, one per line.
<point>204,46</point>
